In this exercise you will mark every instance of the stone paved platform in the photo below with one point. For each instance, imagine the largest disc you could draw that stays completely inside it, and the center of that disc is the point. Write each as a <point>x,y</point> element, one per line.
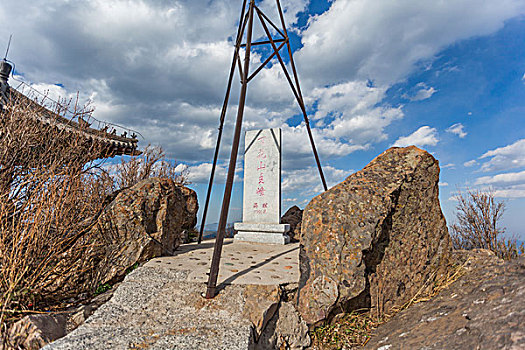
<point>241,262</point>
<point>160,305</point>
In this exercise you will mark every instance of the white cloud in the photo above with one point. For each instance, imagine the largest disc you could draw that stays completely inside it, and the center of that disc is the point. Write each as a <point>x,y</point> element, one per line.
<point>513,192</point>
<point>308,181</point>
<point>201,173</point>
<point>502,179</point>
<point>358,116</point>
<point>383,40</point>
<point>421,93</point>
<point>424,136</point>
<point>504,185</point>
<point>443,184</point>
<point>503,158</point>
<point>470,163</point>
<point>449,165</point>
<point>167,79</point>
<point>457,129</point>
<point>523,77</point>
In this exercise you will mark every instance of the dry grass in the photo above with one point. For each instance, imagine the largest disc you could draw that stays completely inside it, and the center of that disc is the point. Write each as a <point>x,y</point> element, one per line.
<point>353,330</point>
<point>151,163</point>
<point>51,193</point>
<point>350,330</point>
<point>49,199</point>
<point>478,225</point>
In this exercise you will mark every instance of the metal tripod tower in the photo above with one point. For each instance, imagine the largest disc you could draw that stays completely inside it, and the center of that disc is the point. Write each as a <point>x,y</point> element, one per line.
<point>248,13</point>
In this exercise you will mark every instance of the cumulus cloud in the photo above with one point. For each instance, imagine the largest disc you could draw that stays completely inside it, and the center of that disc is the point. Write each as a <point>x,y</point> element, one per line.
<point>161,66</point>
<point>503,158</point>
<point>457,129</point>
<point>200,173</point>
<point>424,136</point>
<point>308,181</point>
<point>507,185</point>
<point>470,163</point>
<point>422,92</point>
<point>502,179</point>
<point>356,112</point>
<point>513,192</point>
<point>380,32</point>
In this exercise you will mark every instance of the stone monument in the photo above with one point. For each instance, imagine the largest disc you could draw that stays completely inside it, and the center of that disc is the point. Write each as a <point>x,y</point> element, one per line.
<point>262,189</point>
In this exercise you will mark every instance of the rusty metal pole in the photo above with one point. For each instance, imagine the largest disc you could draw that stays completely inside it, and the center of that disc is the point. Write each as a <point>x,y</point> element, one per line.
<point>214,271</point>
<point>301,102</point>
<point>240,31</point>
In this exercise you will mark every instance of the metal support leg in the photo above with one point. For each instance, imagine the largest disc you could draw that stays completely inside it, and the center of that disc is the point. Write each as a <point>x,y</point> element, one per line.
<point>214,271</point>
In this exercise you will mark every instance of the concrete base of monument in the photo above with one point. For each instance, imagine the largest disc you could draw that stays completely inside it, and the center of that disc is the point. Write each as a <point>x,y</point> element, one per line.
<point>262,233</point>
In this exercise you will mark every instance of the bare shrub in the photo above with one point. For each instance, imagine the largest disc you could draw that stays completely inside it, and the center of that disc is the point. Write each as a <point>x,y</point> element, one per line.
<point>49,199</point>
<point>478,225</point>
<point>51,194</point>
<point>151,163</point>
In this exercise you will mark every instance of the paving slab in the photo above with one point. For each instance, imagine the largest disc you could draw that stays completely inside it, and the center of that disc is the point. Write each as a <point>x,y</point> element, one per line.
<point>160,305</point>
<point>241,262</point>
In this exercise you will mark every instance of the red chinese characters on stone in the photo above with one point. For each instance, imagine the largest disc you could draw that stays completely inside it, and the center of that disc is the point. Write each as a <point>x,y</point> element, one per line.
<point>261,154</point>
<point>260,191</point>
<point>265,205</point>
<point>255,206</point>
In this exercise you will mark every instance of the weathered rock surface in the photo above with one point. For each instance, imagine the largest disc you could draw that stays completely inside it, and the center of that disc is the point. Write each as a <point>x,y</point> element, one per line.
<point>293,217</point>
<point>34,331</point>
<point>147,220</point>
<point>261,304</point>
<point>484,309</point>
<point>81,312</point>
<point>375,239</point>
<point>286,330</point>
<point>156,308</point>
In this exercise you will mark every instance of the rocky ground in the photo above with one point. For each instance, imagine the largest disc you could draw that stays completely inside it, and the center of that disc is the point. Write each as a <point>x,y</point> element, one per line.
<point>377,241</point>
<point>483,309</point>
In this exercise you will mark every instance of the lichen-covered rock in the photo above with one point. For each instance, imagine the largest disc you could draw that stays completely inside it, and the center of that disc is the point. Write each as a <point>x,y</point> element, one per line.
<point>144,221</point>
<point>375,239</point>
<point>293,217</point>
<point>483,309</point>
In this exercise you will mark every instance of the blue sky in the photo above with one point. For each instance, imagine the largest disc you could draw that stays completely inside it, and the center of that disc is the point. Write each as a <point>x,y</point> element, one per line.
<point>448,76</point>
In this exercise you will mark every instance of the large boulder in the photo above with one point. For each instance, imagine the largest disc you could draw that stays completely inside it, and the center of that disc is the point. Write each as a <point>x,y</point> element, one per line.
<point>144,221</point>
<point>293,217</point>
<point>375,240</point>
<point>34,331</point>
<point>482,309</point>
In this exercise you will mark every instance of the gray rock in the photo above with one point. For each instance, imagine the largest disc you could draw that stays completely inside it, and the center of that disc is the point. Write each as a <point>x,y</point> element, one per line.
<point>374,240</point>
<point>35,331</point>
<point>286,330</point>
<point>484,309</point>
<point>82,312</point>
<point>155,308</point>
<point>144,221</point>
<point>293,217</point>
<point>260,306</point>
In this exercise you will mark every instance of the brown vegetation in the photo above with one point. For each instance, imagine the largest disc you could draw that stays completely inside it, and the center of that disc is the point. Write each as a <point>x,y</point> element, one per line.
<point>478,225</point>
<point>51,193</point>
